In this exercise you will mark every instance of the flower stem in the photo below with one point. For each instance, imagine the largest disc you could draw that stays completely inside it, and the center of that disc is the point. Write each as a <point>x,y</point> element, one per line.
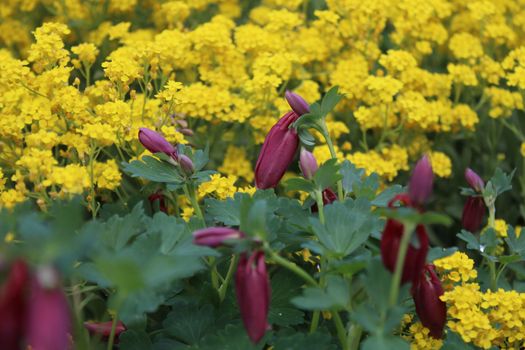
<point>400,261</point>
<point>341,333</point>
<point>224,286</point>
<point>320,206</point>
<point>292,267</point>
<point>111,339</point>
<point>330,144</point>
<point>354,336</point>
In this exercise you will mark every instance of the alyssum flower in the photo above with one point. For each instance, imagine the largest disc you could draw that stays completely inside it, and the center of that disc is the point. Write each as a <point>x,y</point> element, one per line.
<point>252,287</point>
<point>474,208</point>
<point>432,311</point>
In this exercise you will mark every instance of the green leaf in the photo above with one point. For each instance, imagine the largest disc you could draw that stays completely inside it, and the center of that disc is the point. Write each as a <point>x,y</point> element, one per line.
<point>438,253</point>
<point>330,100</point>
<point>135,340</point>
<point>299,184</point>
<point>232,337</point>
<point>351,175</point>
<point>188,322</point>
<point>488,240</point>
<point>285,286</point>
<point>410,215</point>
<point>472,241</point>
<point>501,182</point>
<point>153,169</point>
<point>327,174</point>
<point>382,199</point>
<point>385,342</point>
<point>306,137</point>
<point>347,226</point>
<point>227,211</point>
<point>119,231</point>
<point>453,341</point>
<point>302,341</point>
<point>508,259</point>
<point>335,296</point>
<point>516,244</point>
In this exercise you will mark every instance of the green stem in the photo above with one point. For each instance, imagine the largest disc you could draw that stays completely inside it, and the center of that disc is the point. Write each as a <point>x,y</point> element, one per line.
<point>400,261</point>
<point>493,277</point>
<point>354,336</point>
<point>111,339</point>
<point>292,267</point>
<point>330,144</point>
<point>315,321</point>
<point>224,286</point>
<point>320,205</point>
<point>190,193</point>
<point>341,333</point>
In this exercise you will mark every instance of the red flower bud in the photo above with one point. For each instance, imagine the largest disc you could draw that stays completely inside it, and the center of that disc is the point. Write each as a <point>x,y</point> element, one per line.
<point>277,152</point>
<point>155,142</point>
<point>431,310</point>
<point>253,294</point>
<point>49,322</point>
<point>473,213</point>
<point>329,197</point>
<point>215,236</point>
<point>420,185</point>
<point>162,201</point>
<point>416,253</point>
<point>474,180</point>
<point>103,329</point>
<point>13,306</point>
<point>297,103</point>
<point>307,163</point>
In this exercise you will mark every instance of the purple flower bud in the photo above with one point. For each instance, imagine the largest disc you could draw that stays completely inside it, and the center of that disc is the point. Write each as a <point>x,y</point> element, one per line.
<point>215,236</point>
<point>297,103</point>
<point>104,329</point>
<point>432,311</point>
<point>474,180</point>
<point>49,321</point>
<point>307,163</point>
<point>473,213</point>
<point>186,164</point>
<point>277,152</point>
<point>155,143</point>
<point>420,185</point>
<point>252,287</point>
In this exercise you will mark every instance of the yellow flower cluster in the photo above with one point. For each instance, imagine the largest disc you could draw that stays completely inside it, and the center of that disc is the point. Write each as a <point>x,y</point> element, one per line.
<point>420,339</point>
<point>456,268</point>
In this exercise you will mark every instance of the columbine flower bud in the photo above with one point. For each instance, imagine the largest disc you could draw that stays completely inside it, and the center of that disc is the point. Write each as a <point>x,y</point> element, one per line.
<point>416,254</point>
<point>420,185</point>
<point>432,311</point>
<point>49,321</point>
<point>297,103</point>
<point>155,143</point>
<point>186,164</point>
<point>162,201</point>
<point>329,197</point>
<point>13,306</point>
<point>215,236</point>
<point>277,152</point>
<point>474,180</point>
<point>473,213</point>
<point>253,294</point>
<point>103,329</point>
<point>307,163</point>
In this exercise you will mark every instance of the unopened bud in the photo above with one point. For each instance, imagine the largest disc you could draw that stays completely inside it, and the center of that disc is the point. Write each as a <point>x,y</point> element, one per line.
<point>307,163</point>
<point>474,180</point>
<point>186,164</point>
<point>421,181</point>
<point>297,103</point>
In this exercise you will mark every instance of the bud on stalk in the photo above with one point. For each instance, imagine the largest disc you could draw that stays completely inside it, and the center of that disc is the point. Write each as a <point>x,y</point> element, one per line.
<point>252,287</point>
<point>432,311</point>
<point>297,103</point>
<point>416,254</point>
<point>421,181</point>
<point>156,143</point>
<point>474,180</point>
<point>473,213</point>
<point>215,236</point>
<point>277,152</point>
<point>186,164</point>
<point>307,163</point>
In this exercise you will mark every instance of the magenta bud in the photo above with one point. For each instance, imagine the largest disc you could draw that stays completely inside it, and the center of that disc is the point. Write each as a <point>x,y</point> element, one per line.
<point>473,213</point>
<point>307,163</point>
<point>416,254</point>
<point>216,236</point>
<point>49,320</point>
<point>155,142</point>
<point>252,287</point>
<point>474,180</point>
<point>187,132</point>
<point>277,152</point>
<point>432,311</point>
<point>103,329</point>
<point>13,306</point>
<point>186,164</point>
<point>297,103</point>
<point>420,185</point>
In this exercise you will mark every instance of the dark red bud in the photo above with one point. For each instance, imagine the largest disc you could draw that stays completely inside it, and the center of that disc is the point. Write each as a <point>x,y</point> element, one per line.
<point>432,311</point>
<point>473,213</point>
<point>162,201</point>
<point>277,152</point>
<point>416,254</point>
<point>252,287</point>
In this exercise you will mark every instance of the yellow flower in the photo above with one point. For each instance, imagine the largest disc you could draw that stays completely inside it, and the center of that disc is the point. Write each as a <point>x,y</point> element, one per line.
<point>441,164</point>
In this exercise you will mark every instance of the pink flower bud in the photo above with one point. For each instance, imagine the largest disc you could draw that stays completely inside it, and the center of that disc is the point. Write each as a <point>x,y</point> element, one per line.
<point>473,213</point>
<point>13,306</point>
<point>420,185</point>
<point>277,152</point>
<point>307,163</point>
<point>297,103</point>
<point>186,164</point>
<point>252,287</point>
<point>432,311</point>
<point>155,143</point>
<point>474,180</point>
<point>416,254</point>
<point>103,329</point>
<point>216,236</point>
<point>49,321</point>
